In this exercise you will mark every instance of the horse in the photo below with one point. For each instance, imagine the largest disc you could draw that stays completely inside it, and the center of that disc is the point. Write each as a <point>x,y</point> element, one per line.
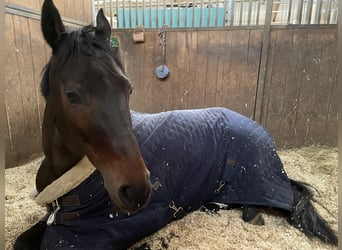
<point>87,111</point>
<point>112,176</point>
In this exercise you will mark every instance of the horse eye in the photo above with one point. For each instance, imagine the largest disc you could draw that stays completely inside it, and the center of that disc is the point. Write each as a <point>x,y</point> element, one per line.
<point>131,90</point>
<point>73,97</point>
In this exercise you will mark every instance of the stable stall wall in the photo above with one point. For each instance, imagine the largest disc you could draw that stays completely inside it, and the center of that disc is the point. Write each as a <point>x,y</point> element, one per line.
<point>300,96</point>
<point>297,101</point>
<point>26,54</point>
<point>222,67</point>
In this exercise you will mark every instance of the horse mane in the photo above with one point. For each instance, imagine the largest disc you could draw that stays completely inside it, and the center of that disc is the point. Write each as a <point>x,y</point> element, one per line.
<point>81,41</point>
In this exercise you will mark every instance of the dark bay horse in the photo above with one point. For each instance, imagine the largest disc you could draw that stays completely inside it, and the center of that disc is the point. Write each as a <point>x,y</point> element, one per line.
<point>156,167</point>
<point>87,111</point>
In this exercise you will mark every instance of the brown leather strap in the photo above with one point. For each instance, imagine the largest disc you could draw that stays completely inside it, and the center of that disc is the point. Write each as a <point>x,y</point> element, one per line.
<point>72,200</point>
<point>70,217</point>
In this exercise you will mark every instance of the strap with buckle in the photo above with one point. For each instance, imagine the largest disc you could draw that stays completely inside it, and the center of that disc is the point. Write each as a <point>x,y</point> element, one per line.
<point>56,205</point>
<point>55,208</point>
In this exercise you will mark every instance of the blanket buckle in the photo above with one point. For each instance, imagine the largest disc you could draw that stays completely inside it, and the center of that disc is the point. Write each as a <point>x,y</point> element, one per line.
<point>52,216</point>
<point>177,210</point>
<point>221,185</point>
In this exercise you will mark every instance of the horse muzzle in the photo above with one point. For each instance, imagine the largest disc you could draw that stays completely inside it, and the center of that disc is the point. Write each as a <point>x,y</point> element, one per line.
<point>134,197</point>
<point>129,197</point>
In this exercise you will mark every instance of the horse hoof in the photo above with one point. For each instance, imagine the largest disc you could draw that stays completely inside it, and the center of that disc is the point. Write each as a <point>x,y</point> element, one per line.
<point>258,220</point>
<point>251,215</point>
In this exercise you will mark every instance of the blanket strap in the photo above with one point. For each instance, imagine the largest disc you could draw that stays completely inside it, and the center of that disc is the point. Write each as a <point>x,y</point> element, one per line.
<point>55,206</point>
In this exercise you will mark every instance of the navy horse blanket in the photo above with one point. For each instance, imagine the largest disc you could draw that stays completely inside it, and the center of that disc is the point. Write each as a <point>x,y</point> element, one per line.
<point>194,157</point>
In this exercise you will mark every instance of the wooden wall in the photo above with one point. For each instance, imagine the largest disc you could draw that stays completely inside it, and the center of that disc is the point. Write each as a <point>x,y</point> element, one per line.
<point>25,56</point>
<point>221,68</point>
<point>208,68</point>
<point>79,10</point>
<point>300,97</point>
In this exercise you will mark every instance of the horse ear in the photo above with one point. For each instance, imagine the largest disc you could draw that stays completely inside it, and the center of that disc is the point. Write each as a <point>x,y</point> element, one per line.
<point>103,30</point>
<point>52,25</point>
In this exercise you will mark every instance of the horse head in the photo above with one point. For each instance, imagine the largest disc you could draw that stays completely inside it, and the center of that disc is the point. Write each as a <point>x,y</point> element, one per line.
<point>87,110</point>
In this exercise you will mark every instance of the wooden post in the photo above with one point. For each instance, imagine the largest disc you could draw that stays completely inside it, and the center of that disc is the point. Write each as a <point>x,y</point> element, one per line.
<point>263,63</point>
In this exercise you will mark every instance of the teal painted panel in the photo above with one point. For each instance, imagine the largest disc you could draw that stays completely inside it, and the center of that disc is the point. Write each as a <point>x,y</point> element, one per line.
<point>128,18</point>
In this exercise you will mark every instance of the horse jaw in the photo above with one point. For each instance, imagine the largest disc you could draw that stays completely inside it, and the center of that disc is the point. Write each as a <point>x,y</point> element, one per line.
<point>126,181</point>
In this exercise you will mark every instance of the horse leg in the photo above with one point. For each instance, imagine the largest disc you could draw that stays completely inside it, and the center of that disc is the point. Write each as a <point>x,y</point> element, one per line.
<point>31,239</point>
<point>251,214</point>
<point>305,217</point>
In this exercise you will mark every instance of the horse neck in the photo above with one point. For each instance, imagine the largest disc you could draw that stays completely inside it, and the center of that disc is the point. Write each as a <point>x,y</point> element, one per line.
<point>58,157</point>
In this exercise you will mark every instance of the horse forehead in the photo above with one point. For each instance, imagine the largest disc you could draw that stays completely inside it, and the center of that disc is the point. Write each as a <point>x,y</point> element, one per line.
<point>102,66</point>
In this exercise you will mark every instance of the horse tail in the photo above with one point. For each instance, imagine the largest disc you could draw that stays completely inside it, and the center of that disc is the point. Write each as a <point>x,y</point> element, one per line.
<point>306,218</point>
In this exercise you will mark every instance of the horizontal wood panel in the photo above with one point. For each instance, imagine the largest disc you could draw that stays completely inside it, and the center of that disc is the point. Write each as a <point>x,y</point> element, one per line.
<point>76,9</point>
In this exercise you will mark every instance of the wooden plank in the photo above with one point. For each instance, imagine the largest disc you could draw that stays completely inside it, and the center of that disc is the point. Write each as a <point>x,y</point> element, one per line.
<point>13,100</point>
<point>191,93</point>
<point>264,105</point>
<point>154,98</point>
<point>305,91</point>
<point>29,99</point>
<point>225,64</point>
<point>327,95</point>
<point>212,68</point>
<point>220,81</point>
<point>277,85</point>
<point>285,132</point>
<point>9,153</point>
<point>200,69</point>
<point>79,10</point>
<point>178,86</point>
<point>32,4</point>
<point>134,64</point>
<point>149,65</point>
<point>39,62</point>
<point>182,72</point>
<point>331,128</point>
<point>263,62</point>
<point>87,8</point>
<point>310,77</point>
<point>69,9</point>
<point>153,57</point>
<point>253,63</point>
<point>188,67</point>
<point>237,78</point>
<point>165,91</point>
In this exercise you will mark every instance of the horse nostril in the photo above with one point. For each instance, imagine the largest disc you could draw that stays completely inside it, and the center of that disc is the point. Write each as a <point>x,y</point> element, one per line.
<point>134,197</point>
<point>125,193</point>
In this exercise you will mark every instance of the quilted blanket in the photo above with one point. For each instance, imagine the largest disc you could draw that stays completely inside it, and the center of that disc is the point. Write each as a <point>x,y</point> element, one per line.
<point>194,157</point>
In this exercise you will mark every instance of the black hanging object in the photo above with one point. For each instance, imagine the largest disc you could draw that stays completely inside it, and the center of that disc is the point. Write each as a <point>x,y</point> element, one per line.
<point>163,71</point>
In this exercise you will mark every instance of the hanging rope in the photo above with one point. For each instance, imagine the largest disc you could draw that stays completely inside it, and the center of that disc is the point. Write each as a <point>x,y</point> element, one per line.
<point>162,71</point>
<point>162,41</point>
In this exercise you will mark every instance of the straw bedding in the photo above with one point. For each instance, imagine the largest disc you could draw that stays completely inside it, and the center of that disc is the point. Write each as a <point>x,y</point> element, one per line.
<point>201,230</point>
